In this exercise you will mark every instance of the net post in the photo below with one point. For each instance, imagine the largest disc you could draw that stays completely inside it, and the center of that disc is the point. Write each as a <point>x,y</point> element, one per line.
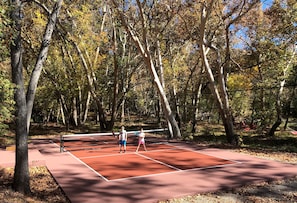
<point>61,144</point>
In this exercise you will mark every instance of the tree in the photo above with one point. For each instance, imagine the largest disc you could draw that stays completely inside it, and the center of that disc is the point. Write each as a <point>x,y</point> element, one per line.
<point>41,58</point>
<point>21,171</point>
<point>269,40</point>
<point>24,104</point>
<point>143,45</point>
<point>212,43</point>
<point>86,38</point>
<point>284,33</point>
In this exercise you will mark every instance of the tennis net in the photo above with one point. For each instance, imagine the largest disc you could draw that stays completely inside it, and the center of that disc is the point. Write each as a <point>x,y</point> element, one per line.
<point>96,141</point>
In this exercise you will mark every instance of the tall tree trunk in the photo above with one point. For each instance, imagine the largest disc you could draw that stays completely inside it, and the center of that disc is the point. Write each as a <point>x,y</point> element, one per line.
<point>98,100</point>
<point>278,100</point>
<point>166,107</point>
<point>41,58</point>
<point>116,76</point>
<point>21,171</point>
<point>24,105</point>
<point>197,95</point>
<point>65,111</point>
<point>123,111</point>
<point>278,111</point>
<point>162,80</point>
<point>60,109</point>
<point>79,105</point>
<point>75,111</point>
<point>87,106</point>
<point>145,52</point>
<point>220,95</point>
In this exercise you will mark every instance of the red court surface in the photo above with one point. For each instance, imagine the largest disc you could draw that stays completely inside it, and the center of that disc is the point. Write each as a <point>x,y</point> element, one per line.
<point>82,183</point>
<point>109,164</point>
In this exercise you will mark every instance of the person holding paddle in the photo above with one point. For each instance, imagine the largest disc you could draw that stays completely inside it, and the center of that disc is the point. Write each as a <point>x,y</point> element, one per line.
<point>141,140</point>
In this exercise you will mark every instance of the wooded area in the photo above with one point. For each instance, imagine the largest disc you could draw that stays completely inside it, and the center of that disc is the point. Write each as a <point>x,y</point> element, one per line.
<point>178,62</point>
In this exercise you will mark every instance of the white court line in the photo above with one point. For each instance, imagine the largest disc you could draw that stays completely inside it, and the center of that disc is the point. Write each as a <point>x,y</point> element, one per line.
<point>89,167</point>
<point>107,180</point>
<point>199,152</point>
<point>143,176</point>
<point>177,170</point>
<point>101,176</point>
<point>160,162</point>
<point>119,154</point>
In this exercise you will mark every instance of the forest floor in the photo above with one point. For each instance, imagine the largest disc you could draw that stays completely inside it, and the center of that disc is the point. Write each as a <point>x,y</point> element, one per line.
<point>284,191</point>
<point>46,190</point>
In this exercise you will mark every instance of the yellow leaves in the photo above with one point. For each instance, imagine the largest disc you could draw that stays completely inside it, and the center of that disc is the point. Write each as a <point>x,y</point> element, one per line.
<point>103,37</point>
<point>84,29</point>
<point>35,29</point>
<point>242,80</point>
<point>82,19</point>
<point>239,81</point>
<point>39,19</point>
<point>176,72</point>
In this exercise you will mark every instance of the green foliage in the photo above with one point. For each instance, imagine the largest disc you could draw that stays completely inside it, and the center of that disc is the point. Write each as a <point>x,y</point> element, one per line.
<point>213,134</point>
<point>253,78</point>
<point>6,101</point>
<point>239,86</point>
<point>272,51</point>
<point>4,33</point>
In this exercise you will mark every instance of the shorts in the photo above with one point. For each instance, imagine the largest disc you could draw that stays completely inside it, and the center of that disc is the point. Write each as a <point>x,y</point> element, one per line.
<point>123,142</point>
<point>141,142</point>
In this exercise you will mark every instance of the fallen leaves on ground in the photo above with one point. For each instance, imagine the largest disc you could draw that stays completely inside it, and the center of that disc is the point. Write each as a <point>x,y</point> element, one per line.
<point>43,187</point>
<point>284,191</point>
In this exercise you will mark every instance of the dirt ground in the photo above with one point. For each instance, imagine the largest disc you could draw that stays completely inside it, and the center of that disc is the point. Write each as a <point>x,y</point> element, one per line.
<point>284,191</point>
<point>45,189</point>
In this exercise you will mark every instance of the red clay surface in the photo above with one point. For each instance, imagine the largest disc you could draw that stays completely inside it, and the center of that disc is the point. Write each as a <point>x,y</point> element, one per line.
<point>81,184</point>
<point>185,159</point>
<point>125,166</point>
<point>162,158</point>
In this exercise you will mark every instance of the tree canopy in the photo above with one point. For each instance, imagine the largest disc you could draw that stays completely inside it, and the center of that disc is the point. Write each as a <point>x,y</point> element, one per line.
<point>97,71</point>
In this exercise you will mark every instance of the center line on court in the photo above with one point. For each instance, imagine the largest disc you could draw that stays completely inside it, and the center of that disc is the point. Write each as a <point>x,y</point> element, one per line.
<point>160,162</point>
<point>89,167</point>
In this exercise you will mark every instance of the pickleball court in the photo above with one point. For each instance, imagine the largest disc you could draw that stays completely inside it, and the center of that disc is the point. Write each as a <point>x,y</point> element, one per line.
<point>92,170</point>
<point>101,154</point>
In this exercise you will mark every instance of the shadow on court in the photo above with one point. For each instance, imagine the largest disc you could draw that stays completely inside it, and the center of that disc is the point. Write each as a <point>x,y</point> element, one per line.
<point>82,184</point>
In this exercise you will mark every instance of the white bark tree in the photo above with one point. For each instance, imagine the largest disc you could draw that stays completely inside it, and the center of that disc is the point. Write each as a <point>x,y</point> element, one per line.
<point>208,44</point>
<point>35,75</point>
<point>142,43</point>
